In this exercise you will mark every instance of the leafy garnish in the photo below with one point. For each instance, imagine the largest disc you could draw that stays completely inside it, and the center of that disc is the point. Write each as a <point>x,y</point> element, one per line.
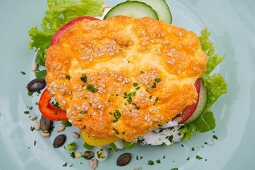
<point>215,86</point>
<point>60,12</point>
<point>87,146</point>
<point>208,47</point>
<point>129,145</point>
<point>41,74</point>
<point>117,115</point>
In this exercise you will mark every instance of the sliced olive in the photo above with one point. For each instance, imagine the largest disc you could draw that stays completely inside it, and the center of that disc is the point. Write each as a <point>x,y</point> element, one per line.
<point>59,141</point>
<point>36,85</point>
<point>124,159</point>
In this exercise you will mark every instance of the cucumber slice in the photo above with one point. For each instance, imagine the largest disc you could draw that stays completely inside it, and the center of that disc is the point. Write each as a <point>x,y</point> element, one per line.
<point>201,103</point>
<point>132,9</point>
<point>161,8</point>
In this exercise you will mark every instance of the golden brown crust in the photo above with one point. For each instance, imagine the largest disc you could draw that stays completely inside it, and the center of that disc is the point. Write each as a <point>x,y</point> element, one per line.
<point>140,70</point>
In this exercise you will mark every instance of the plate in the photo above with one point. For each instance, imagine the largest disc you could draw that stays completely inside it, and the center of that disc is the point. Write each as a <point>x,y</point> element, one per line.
<point>233,31</point>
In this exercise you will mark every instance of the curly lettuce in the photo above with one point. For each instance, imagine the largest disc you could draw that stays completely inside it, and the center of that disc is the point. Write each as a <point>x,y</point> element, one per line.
<point>59,13</point>
<point>215,86</point>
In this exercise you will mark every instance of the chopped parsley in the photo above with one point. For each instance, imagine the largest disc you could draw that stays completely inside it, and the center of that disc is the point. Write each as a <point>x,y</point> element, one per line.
<point>137,107</point>
<point>198,157</point>
<point>150,162</point>
<point>84,78</point>
<point>135,84</point>
<point>72,154</point>
<point>66,123</point>
<point>129,96</point>
<point>55,104</point>
<point>174,169</point>
<point>26,112</point>
<point>154,85</point>
<point>32,128</point>
<point>141,72</point>
<point>68,77</point>
<point>158,161</point>
<point>30,107</point>
<point>157,80</point>
<point>22,72</point>
<point>34,142</point>
<point>115,131</point>
<point>156,100</point>
<point>192,148</point>
<point>170,138</point>
<point>29,93</point>
<point>83,112</point>
<point>91,88</point>
<point>117,115</point>
<point>188,158</point>
<point>65,165</point>
<point>215,137</point>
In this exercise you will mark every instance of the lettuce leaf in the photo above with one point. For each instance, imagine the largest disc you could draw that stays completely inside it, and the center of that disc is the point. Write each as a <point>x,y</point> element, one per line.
<point>215,86</point>
<point>60,12</point>
<point>208,47</point>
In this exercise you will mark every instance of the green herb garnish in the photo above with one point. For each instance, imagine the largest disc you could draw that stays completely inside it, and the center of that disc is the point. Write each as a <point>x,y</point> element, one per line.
<point>22,72</point>
<point>83,112</point>
<point>198,157</point>
<point>66,123</point>
<point>26,112</point>
<point>87,146</point>
<point>135,84</point>
<point>215,137</point>
<point>32,128</point>
<point>116,115</point>
<point>68,77</point>
<point>41,74</point>
<point>91,88</point>
<point>84,78</point>
<point>157,80</point>
<point>150,162</point>
<point>154,85</point>
<point>128,96</point>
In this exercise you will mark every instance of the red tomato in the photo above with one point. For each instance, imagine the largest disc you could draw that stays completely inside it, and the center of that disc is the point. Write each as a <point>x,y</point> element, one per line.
<point>48,110</point>
<point>190,109</point>
<point>60,32</point>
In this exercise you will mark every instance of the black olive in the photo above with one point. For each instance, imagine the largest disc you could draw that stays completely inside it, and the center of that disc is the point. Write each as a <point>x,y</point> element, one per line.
<point>59,141</point>
<point>124,159</point>
<point>36,85</point>
<point>46,124</point>
<point>88,155</point>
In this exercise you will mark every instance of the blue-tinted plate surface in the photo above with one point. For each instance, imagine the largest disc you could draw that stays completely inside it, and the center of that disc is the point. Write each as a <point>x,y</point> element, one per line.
<point>233,31</point>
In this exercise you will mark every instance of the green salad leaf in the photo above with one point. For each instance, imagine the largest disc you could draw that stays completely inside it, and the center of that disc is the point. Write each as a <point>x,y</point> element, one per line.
<point>60,12</point>
<point>215,86</point>
<point>129,145</point>
<point>208,47</point>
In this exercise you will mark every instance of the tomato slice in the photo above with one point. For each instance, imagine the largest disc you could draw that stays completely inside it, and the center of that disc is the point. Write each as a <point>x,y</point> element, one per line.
<point>60,32</point>
<point>48,110</point>
<point>185,115</point>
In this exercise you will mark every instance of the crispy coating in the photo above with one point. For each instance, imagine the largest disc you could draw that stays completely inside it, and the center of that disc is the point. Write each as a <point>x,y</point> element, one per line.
<point>123,76</point>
